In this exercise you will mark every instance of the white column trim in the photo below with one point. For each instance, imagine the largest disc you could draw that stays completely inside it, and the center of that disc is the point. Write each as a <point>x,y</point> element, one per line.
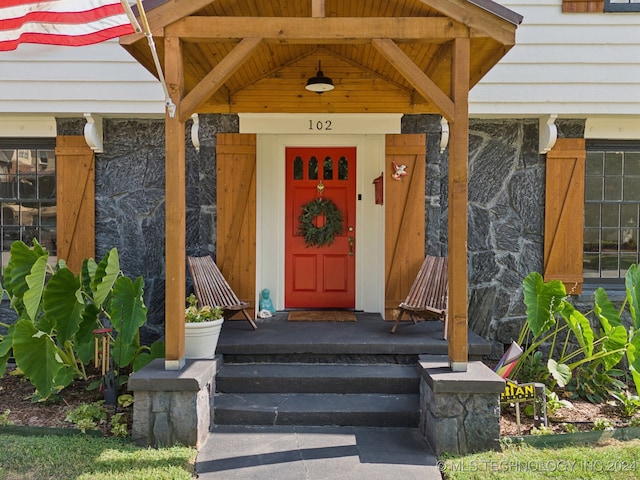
<point>548,133</point>
<point>93,132</point>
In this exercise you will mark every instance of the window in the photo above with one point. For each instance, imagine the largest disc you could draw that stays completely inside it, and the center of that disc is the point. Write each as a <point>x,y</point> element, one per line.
<point>612,210</point>
<point>622,5</point>
<point>27,193</point>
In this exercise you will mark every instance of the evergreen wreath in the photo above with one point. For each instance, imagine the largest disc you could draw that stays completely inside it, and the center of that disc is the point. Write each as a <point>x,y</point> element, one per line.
<point>324,235</point>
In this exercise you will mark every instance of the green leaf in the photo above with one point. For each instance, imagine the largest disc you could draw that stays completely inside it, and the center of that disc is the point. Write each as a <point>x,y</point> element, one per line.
<point>615,340</point>
<point>560,372</point>
<point>87,274</point>
<point>37,356</point>
<point>21,259</point>
<point>633,357</point>
<point>128,314</point>
<point>105,276</point>
<point>35,281</point>
<point>543,300</point>
<point>7,341</point>
<point>632,283</point>
<point>61,305</point>
<point>84,344</point>
<point>606,311</point>
<point>128,311</point>
<point>5,348</point>
<point>156,350</point>
<point>124,354</point>
<point>580,327</point>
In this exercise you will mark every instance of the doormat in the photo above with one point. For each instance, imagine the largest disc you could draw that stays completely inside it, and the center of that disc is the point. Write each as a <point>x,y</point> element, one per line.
<point>321,316</point>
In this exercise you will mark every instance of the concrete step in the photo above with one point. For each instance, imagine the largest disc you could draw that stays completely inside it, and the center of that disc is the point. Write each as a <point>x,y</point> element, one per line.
<point>372,410</point>
<point>317,378</point>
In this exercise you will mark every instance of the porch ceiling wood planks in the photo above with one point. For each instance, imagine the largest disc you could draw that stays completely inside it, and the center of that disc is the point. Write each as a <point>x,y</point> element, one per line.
<point>404,56</point>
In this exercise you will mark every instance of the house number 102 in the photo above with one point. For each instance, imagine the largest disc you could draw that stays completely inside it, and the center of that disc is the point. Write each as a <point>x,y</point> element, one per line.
<point>320,125</point>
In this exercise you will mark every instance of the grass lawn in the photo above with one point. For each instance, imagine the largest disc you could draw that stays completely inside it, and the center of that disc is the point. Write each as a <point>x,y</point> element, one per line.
<point>81,457</point>
<point>619,460</point>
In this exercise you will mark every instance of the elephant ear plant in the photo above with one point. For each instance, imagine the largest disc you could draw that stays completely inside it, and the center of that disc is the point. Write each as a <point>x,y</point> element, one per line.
<point>590,358</point>
<point>52,340</point>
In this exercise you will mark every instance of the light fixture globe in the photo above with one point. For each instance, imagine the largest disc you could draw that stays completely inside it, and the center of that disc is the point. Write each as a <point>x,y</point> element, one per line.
<point>319,83</point>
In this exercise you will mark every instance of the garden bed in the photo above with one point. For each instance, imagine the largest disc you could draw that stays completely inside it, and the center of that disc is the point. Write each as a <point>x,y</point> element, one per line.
<point>49,417</point>
<point>582,416</point>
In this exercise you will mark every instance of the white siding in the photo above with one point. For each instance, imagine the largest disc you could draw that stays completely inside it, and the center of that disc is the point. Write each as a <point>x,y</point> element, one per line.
<point>570,64</point>
<point>100,79</point>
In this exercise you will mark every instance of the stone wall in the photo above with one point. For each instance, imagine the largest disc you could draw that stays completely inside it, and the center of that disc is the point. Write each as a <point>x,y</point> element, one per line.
<point>173,406</point>
<point>506,214</point>
<point>459,411</point>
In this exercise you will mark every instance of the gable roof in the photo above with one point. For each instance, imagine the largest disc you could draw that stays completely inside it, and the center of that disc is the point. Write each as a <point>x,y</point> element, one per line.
<point>256,55</point>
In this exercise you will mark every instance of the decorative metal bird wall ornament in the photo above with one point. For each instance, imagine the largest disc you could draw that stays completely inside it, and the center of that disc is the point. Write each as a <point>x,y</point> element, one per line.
<point>399,171</point>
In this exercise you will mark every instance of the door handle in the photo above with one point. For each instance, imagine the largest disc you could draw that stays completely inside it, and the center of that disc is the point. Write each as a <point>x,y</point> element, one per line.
<point>350,240</point>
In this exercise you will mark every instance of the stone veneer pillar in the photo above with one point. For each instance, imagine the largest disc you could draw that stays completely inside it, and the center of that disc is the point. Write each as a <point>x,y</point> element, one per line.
<point>173,407</point>
<point>459,411</point>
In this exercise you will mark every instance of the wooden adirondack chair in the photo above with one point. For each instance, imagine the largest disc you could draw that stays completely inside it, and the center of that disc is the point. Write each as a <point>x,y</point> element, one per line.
<point>427,298</point>
<point>212,289</point>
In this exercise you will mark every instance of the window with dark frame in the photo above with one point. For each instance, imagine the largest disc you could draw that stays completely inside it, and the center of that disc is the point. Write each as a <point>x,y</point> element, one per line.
<point>612,210</point>
<point>622,5</point>
<point>27,193</point>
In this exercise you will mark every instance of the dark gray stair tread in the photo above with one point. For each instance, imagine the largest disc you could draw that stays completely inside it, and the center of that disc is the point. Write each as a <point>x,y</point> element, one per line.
<point>317,409</point>
<point>317,378</point>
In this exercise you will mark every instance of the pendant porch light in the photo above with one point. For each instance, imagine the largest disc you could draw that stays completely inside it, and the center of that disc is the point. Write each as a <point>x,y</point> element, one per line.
<point>319,83</point>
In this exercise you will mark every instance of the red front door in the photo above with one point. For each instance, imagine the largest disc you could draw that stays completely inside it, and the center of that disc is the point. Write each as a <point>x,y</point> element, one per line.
<point>320,277</point>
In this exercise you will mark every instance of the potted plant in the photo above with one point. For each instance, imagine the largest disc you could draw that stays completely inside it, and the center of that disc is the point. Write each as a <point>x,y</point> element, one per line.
<point>202,329</point>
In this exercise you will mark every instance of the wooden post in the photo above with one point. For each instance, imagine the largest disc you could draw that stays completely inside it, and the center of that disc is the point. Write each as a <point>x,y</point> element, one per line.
<point>458,205</point>
<point>175,269</point>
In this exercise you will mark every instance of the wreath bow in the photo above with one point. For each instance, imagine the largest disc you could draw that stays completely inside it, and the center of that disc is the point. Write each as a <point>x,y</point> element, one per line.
<point>324,235</point>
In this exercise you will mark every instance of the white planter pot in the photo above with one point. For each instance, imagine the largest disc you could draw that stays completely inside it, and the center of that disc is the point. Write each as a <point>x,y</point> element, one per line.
<point>201,339</point>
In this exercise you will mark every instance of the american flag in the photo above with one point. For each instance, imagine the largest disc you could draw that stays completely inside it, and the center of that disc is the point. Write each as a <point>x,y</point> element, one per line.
<point>63,22</point>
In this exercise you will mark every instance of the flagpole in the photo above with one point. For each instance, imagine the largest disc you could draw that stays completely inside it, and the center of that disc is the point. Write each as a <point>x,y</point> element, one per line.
<point>147,33</point>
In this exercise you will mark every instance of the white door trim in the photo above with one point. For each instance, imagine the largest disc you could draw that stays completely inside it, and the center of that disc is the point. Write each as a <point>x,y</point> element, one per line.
<point>276,132</point>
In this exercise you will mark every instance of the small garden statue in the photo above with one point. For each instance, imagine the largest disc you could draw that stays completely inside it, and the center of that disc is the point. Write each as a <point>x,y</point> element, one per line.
<point>266,305</point>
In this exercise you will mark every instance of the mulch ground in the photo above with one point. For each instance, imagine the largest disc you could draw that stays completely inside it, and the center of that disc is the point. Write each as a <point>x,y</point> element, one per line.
<point>16,395</point>
<point>581,415</point>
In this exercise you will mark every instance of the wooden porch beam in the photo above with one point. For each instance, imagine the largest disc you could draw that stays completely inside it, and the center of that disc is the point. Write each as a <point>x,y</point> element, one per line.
<point>318,30</point>
<point>175,205</point>
<point>416,77</point>
<point>216,77</point>
<point>485,22</point>
<point>163,15</point>
<point>458,205</point>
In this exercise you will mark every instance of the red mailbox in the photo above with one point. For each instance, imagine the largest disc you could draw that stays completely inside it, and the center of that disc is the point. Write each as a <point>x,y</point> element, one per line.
<point>378,184</point>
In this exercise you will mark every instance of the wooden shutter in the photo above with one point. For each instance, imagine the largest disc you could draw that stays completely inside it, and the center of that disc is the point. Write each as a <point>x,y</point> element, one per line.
<point>75,187</point>
<point>564,213</point>
<point>236,212</point>
<point>404,217</point>
<point>582,6</point>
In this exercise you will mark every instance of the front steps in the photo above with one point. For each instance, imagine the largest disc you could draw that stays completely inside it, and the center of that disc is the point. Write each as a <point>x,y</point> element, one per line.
<point>346,394</point>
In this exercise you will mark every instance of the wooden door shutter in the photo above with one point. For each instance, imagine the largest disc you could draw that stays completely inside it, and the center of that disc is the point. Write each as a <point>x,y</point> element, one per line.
<point>404,217</point>
<point>564,213</point>
<point>236,212</point>
<point>75,187</point>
